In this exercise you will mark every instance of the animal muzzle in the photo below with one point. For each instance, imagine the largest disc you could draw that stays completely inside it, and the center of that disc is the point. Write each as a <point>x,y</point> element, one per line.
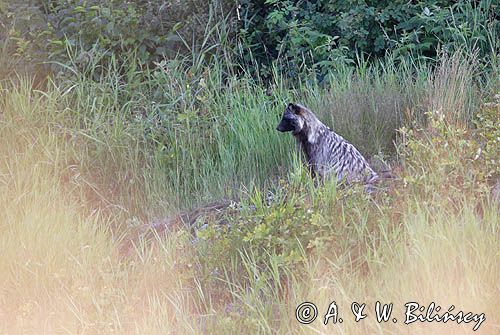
<point>281,128</point>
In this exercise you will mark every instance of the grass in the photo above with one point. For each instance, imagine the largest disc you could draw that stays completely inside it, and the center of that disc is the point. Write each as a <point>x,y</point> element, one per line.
<point>85,162</point>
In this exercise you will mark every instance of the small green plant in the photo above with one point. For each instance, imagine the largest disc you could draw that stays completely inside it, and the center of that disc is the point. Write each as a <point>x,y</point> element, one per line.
<point>23,38</point>
<point>487,124</point>
<point>302,220</point>
<point>446,160</point>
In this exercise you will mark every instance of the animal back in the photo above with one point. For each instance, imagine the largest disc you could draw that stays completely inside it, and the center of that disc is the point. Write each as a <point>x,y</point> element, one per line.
<point>333,154</point>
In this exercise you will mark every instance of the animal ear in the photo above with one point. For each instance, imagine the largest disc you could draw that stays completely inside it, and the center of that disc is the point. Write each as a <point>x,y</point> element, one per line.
<point>295,108</point>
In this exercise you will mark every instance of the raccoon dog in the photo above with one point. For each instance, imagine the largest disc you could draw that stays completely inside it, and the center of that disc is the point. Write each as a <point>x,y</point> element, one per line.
<point>326,152</point>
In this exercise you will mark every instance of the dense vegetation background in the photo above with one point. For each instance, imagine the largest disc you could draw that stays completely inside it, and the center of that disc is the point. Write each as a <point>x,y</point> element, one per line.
<point>118,114</point>
<point>316,34</point>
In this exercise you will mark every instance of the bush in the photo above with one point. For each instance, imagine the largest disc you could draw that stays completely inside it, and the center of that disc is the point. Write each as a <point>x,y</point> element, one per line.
<point>328,32</point>
<point>23,38</point>
<point>91,31</point>
<point>299,35</point>
<point>301,221</point>
<point>447,162</point>
<point>488,133</point>
<point>153,29</point>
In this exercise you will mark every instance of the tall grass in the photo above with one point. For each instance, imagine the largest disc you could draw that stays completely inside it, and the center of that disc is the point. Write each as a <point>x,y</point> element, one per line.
<point>204,134</point>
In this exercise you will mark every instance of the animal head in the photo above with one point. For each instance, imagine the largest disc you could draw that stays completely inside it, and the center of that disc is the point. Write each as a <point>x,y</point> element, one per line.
<point>293,119</point>
<point>300,121</point>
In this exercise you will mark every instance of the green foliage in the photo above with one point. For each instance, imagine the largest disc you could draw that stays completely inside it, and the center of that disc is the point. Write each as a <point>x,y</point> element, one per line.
<point>326,33</point>
<point>89,32</point>
<point>487,122</point>
<point>209,135</point>
<point>301,220</point>
<point>112,26</point>
<point>152,30</point>
<point>445,166</point>
<point>302,37</point>
<point>446,160</point>
<point>282,229</point>
<point>23,37</point>
<point>127,143</point>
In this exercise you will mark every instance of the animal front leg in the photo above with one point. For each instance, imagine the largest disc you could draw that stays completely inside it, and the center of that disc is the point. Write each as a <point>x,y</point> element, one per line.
<point>312,171</point>
<point>321,175</point>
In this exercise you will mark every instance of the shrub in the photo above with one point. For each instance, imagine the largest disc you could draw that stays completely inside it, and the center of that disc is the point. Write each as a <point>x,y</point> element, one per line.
<point>488,134</point>
<point>328,32</point>
<point>23,38</point>
<point>301,221</point>
<point>447,163</point>
<point>152,29</point>
<point>91,31</point>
